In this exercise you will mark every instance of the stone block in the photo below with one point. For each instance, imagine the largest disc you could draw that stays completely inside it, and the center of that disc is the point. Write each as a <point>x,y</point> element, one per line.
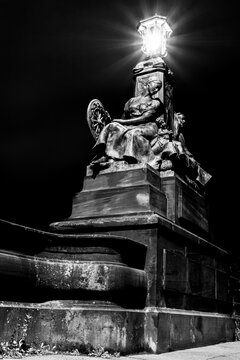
<point>174,271</point>
<point>120,192</point>
<point>185,206</point>
<point>73,326</point>
<point>170,330</point>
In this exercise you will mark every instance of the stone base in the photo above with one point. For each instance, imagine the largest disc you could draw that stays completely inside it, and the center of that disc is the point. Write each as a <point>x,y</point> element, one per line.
<point>139,189</point>
<point>127,240</point>
<point>75,326</point>
<point>120,190</point>
<point>184,270</point>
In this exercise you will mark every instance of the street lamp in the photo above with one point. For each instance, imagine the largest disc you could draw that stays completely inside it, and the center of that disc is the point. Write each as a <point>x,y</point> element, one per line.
<point>154,31</point>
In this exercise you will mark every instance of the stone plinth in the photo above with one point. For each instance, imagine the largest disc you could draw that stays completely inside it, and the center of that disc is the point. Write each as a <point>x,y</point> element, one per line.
<point>184,270</point>
<point>67,326</point>
<point>187,276</point>
<point>130,270</point>
<point>120,190</point>
<point>136,189</point>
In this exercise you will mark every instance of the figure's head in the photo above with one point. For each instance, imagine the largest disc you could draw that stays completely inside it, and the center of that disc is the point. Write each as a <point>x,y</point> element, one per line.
<point>154,85</point>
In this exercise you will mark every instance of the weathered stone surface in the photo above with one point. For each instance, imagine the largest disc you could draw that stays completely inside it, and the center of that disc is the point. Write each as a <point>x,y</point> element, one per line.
<point>91,267</point>
<point>71,328</point>
<point>90,275</point>
<point>185,206</point>
<point>153,330</point>
<point>183,329</point>
<point>121,276</point>
<point>141,189</point>
<point>184,270</point>
<point>174,271</point>
<point>121,174</point>
<point>120,192</point>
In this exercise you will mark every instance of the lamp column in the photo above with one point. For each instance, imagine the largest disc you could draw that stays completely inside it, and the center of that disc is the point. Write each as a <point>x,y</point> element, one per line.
<point>157,69</point>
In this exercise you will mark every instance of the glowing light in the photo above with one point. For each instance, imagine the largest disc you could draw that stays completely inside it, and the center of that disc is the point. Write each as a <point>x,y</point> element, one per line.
<point>154,31</point>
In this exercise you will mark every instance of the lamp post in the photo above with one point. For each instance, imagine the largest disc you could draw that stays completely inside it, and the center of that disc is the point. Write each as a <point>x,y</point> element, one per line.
<point>154,32</point>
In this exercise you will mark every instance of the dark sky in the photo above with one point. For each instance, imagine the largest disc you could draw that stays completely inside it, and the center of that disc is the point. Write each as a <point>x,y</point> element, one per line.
<point>56,56</point>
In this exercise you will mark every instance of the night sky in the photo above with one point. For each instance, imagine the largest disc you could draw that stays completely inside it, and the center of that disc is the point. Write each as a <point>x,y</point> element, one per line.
<point>56,56</point>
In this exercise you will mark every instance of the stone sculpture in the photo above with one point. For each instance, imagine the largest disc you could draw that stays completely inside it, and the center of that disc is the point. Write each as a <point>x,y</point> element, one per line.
<point>142,136</point>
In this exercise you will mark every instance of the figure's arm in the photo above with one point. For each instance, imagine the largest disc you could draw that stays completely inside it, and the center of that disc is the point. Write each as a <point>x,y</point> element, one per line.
<point>147,116</point>
<point>144,118</point>
<point>126,114</point>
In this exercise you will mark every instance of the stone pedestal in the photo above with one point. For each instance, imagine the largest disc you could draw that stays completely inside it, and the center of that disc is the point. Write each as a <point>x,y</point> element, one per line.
<point>188,302</point>
<point>120,190</point>
<point>125,189</point>
<point>131,270</point>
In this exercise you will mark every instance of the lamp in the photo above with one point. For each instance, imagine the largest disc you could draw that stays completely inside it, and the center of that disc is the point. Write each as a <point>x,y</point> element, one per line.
<point>154,31</point>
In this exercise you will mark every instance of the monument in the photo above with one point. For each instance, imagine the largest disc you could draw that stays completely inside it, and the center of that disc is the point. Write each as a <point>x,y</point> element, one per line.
<point>132,269</point>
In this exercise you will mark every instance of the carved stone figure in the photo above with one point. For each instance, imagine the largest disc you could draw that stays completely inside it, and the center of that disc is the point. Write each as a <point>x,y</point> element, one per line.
<point>130,138</point>
<point>142,136</point>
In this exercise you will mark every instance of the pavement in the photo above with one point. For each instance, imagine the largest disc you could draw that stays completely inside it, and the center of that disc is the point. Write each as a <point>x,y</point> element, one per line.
<point>222,351</point>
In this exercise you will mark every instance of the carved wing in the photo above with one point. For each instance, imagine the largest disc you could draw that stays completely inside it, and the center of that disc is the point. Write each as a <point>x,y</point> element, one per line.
<point>97,117</point>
